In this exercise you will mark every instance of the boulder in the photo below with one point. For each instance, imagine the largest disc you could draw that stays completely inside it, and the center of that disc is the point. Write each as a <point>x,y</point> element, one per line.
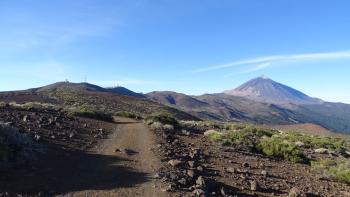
<point>299,144</point>
<point>211,132</point>
<point>198,192</point>
<point>231,170</point>
<point>264,173</point>
<point>321,150</point>
<point>182,181</point>
<point>190,173</point>
<point>200,182</point>
<point>174,162</point>
<point>295,192</point>
<point>254,186</point>
<point>191,164</point>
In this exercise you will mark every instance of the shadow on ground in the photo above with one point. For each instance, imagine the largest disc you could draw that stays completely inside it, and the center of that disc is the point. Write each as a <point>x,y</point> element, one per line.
<point>61,171</point>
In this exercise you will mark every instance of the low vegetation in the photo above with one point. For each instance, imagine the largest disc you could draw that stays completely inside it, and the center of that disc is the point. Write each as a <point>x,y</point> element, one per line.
<point>310,141</point>
<point>15,147</point>
<point>128,115</point>
<point>291,146</point>
<point>164,119</point>
<point>90,113</point>
<point>213,135</point>
<point>29,105</point>
<point>281,149</point>
<point>334,169</point>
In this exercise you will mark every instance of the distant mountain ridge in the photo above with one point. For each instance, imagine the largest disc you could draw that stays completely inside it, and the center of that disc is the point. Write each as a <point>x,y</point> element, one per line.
<point>174,98</point>
<point>87,87</point>
<point>109,100</point>
<point>260,101</point>
<point>263,101</point>
<point>125,91</point>
<point>266,90</point>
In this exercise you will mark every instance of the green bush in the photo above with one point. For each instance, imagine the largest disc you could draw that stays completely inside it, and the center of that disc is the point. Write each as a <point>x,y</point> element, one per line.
<point>277,148</point>
<point>332,143</point>
<point>90,113</point>
<point>164,119</point>
<point>336,169</point>
<point>128,115</point>
<point>214,136</point>
<point>260,132</point>
<point>247,136</point>
<point>240,138</point>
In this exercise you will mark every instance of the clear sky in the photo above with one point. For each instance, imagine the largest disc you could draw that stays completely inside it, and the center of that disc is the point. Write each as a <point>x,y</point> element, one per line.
<point>189,46</point>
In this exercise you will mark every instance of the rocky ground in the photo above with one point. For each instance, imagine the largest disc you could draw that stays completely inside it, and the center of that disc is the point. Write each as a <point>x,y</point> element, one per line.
<point>196,166</point>
<point>62,140</point>
<point>54,126</point>
<point>87,157</point>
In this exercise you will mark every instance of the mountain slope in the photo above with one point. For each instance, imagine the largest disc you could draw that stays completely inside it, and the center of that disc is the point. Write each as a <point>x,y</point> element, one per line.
<point>73,95</point>
<point>87,87</point>
<point>224,107</point>
<point>125,91</point>
<point>70,86</point>
<point>333,116</point>
<point>266,90</point>
<point>174,98</point>
<point>261,101</point>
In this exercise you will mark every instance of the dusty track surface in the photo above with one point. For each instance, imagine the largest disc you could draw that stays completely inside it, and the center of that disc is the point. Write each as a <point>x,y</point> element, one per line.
<point>99,171</point>
<point>134,143</point>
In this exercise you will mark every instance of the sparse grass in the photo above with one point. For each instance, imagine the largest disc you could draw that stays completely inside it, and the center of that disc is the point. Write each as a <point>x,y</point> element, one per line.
<point>314,142</point>
<point>15,147</point>
<point>335,169</point>
<point>268,142</point>
<point>90,113</point>
<point>128,115</point>
<point>67,96</point>
<point>213,135</point>
<point>259,131</point>
<point>113,103</point>
<point>276,148</point>
<point>164,119</point>
<point>247,136</point>
<point>239,138</point>
<point>30,105</point>
<point>162,127</point>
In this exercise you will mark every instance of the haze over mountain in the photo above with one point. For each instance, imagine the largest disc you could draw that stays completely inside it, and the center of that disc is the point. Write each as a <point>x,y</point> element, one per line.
<point>266,90</point>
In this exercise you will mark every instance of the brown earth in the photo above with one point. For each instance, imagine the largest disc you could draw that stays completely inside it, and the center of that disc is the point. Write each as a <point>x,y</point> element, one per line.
<point>281,176</point>
<point>134,171</point>
<point>227,171</point>
<point>308,128</point>
<point>97,171</point>
<point>125,158</point>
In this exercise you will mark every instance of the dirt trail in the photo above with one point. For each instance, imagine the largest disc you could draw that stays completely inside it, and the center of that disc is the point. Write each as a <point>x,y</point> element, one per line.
<point>138,159</point>
<point>100,171</point>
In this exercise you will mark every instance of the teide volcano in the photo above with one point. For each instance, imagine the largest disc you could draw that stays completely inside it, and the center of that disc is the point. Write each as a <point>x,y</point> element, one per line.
<point>263,101</point>
<point>266,90</point>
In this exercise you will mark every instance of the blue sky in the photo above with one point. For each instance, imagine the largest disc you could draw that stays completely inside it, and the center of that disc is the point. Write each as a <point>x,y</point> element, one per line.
<point>189,46</point>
